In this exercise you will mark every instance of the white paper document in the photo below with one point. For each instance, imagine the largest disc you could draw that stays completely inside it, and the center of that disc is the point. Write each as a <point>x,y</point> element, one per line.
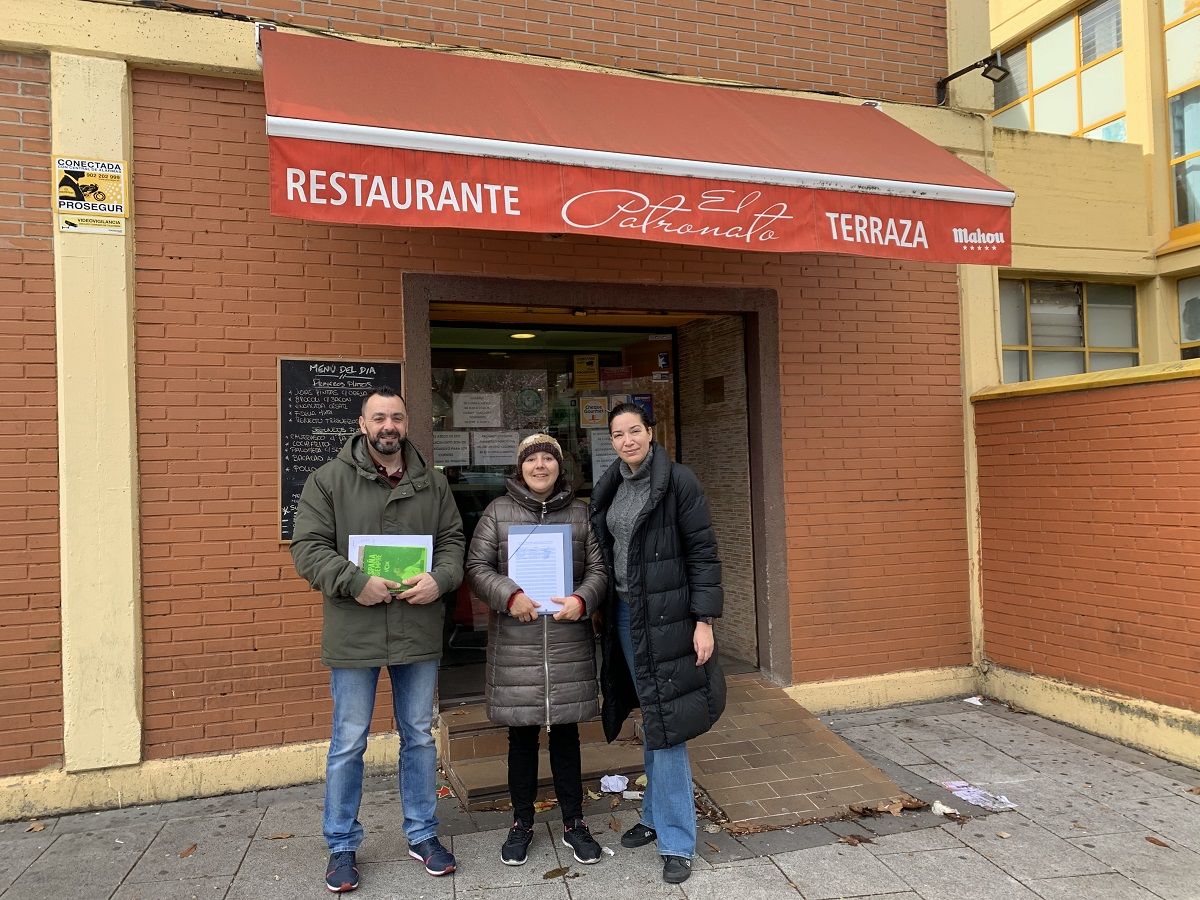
<point>539,561</point>
<point>452,448</point>
<point>478,410</point>
<point>494,448</point>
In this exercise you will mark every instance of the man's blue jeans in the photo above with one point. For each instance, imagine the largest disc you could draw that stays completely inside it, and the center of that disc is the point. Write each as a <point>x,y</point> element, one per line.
<point>353,703</point>
<point>668,806</point>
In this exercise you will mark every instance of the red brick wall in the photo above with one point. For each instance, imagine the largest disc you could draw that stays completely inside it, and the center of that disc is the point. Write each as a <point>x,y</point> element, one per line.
<point>873,457</point>
<point>30,664</point>
<point>223,288</point>
<point>890,49</point>
<point>1091,541</point>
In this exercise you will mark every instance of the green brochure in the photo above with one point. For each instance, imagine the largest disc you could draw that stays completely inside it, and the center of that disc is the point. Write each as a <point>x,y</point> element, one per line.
<point>393,557</point>
<point>394,563</point>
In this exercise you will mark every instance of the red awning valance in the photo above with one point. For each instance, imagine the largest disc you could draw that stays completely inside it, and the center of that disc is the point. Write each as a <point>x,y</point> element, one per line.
<point>382,135</point>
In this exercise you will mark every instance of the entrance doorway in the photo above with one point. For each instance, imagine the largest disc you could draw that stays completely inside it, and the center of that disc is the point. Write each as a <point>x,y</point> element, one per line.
<point>560,371</point>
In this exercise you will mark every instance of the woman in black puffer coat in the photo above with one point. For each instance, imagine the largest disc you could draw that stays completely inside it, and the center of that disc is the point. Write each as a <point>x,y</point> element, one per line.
<point>651,518</point>
<point>541,669</point>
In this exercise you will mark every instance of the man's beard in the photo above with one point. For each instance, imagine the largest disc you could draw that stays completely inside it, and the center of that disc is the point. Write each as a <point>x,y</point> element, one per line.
<point>379,440</point>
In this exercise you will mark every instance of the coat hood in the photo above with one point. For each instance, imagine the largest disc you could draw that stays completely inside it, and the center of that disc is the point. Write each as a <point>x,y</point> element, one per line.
<point>356,454</point>
<point>560,499</point>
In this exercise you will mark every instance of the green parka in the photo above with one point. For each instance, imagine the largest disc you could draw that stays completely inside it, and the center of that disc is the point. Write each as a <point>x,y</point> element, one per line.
<point>348,496</point>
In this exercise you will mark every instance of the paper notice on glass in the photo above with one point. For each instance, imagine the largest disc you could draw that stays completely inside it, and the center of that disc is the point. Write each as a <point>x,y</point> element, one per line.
<point>391,556</point>
<point>452,448</point>
<point>539,560</point>
<point>603,454</point>
<point>494,448</point>
<point>593,412</point>
<point>478,410</point>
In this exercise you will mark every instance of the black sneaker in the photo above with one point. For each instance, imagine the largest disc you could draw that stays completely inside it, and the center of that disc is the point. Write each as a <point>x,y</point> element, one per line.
<point>638,836</point>
<point>582,844</point>
<point>341,875</point>
<point>676,869</point>
<point>516,847</point>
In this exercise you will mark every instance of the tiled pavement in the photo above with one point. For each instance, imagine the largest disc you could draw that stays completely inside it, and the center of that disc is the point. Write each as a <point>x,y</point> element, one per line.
<point>1086,809</point>
<point>770,761</point>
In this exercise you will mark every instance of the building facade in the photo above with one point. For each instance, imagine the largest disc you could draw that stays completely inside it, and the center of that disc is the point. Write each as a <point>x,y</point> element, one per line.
<point>849,415</point>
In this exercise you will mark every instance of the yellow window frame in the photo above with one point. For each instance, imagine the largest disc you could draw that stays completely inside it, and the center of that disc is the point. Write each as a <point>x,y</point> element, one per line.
<point>1076,73</point>
<point>1187,234</point>
<point>1029,348</point>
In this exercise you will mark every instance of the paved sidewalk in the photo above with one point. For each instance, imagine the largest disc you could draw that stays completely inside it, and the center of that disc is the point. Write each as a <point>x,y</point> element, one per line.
<point>1091,822</point>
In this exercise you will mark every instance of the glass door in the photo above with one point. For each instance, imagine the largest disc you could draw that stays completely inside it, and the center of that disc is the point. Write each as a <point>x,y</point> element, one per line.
<point>493,386</point>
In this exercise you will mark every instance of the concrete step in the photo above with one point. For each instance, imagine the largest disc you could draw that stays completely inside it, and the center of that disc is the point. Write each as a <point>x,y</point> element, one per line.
<point>467,734</point>
<point>484,781</point>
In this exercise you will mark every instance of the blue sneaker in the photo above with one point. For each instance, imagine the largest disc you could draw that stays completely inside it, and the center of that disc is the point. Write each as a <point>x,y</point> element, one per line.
<point>341,875</point>
<point>438,860</point>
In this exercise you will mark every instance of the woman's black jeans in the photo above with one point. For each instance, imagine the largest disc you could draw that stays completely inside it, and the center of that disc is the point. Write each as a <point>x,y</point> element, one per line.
<point>564,765</point>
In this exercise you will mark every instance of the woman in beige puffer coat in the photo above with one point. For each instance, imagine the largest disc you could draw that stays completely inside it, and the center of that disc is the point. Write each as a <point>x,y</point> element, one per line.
<point>541,669</point>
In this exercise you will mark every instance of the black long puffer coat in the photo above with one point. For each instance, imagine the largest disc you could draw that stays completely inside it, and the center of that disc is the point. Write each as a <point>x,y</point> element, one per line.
<point>541,672</point>
<point>674,576</point>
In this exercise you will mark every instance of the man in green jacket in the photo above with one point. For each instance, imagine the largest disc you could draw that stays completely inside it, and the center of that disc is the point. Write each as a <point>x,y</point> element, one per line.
<point>379,484</point>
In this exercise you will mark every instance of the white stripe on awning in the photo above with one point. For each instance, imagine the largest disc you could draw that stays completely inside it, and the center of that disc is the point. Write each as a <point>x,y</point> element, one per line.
<point>336,132</point>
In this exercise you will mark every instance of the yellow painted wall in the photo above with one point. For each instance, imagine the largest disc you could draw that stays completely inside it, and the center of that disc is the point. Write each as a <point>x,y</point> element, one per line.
<point>1081,204</point>
<point>1013,20</point>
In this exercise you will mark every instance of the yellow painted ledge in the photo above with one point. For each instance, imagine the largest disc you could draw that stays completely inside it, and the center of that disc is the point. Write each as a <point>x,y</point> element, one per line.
<point>1112,378</point>
<point>1165,731</point>
<point>875,691</point>
<point>52,792</point>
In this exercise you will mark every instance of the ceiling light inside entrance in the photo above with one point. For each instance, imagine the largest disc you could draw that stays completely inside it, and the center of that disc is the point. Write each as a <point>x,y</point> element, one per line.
<point>523,335</point>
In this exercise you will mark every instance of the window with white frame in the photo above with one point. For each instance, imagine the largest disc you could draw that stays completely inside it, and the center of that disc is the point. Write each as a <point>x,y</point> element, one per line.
<point>1069,78</point>
<point>1050,328</point>
<point>1189,317</point>
<point>1181,36</point>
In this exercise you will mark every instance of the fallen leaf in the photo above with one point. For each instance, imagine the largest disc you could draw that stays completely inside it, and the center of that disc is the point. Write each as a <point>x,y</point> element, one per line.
<point>543,805</point>
<point>613,823</point>
<point>894,808</point>
<point>1195,790</point>
<point>641,781</point>
<point>444,791</point>
<point>852,840</point>
<point>616,801</point>
<point>184,854</point>
<point>592,795</point>
<point>283,836</point>
<point>1003,834</point>
<point>36,826</point>
<point>712,827</point>
<point>459,712</point>
<point>1157,843</point>
<point>713,847</point>
<point>749,828</point>
<point>556,873</point>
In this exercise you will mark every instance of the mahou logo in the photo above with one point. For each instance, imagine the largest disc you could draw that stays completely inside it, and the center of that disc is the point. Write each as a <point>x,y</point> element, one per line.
<point>975,239</point>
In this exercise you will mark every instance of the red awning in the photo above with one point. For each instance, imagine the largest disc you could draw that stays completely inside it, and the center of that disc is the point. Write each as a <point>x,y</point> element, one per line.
<point>384,135</point>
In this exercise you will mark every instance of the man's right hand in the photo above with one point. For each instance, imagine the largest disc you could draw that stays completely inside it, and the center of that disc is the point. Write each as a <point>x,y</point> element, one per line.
<point>378,590</point>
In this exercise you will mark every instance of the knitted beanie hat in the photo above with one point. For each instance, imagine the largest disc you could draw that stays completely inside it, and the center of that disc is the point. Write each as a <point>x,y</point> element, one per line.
<point>538,443</point>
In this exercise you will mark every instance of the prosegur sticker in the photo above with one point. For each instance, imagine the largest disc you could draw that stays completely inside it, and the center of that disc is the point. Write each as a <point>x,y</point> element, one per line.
<point>91,224</point>
<point>92,186</point>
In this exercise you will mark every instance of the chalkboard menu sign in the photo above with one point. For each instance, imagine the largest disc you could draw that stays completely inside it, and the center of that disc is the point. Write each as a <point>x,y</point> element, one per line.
<point>319,404</point>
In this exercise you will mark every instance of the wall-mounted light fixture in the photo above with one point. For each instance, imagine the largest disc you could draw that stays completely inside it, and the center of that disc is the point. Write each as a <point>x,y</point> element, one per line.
<point>993,67</point>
